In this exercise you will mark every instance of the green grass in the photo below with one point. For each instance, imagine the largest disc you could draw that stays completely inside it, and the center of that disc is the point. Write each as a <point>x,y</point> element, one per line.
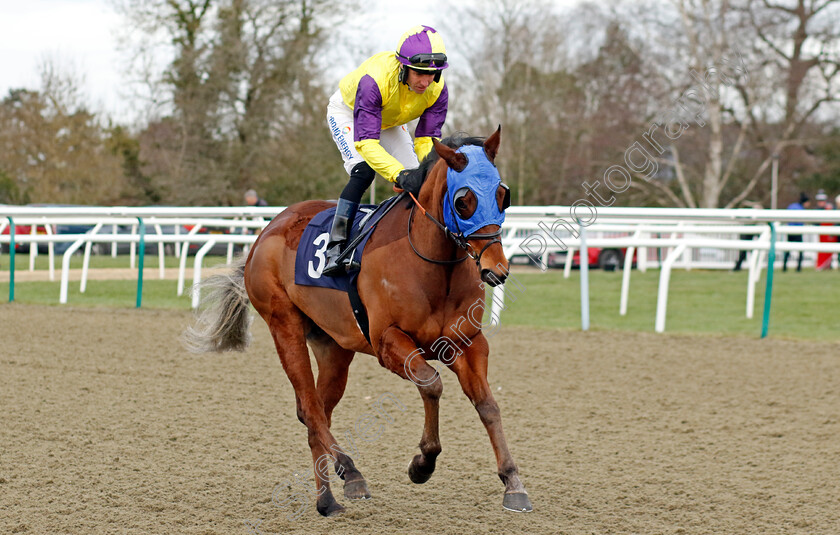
<point>806,305</point>
<point>101,261</point>
<point>102,293</point>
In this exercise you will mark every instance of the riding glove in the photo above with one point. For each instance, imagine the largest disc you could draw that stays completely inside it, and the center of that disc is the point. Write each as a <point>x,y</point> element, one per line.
<point>411,180</point>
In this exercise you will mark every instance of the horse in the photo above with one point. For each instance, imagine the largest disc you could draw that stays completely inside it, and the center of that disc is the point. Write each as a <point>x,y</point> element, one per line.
<point>416,307</point>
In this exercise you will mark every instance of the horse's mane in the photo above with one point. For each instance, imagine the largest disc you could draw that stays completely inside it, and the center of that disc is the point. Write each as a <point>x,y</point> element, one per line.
<point>458,139</point>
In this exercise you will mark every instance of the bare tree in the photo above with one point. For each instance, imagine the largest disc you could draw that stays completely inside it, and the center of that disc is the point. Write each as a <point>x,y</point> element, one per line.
<point>798,44</point>
<point>518,74</point>
<point>241,84</point>
<point>53,148</point>
<point>728,106</point>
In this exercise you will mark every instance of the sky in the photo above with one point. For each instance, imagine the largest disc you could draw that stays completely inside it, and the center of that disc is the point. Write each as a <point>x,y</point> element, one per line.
<point>80,36</point>
<point>76,34</point>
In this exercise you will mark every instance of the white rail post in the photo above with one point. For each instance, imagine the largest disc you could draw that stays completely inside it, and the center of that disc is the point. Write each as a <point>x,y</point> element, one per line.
<point>756,258</point>
<point>664,280</point>
<point>50,252</point>
<point>584,279</point>
<point>161,264</point>
<point>182,268</point>
<point>114,230</point>
<point>199,258</point>
<point>567,269</point>
<point>65,269</point>
<point>133,247</point>
<point>497,298</point>
<point>625,278</point>
<point>86,261</point>
<point>33,247</point>
<point>641,262</point>
<point>497,304</point>
<point>231,230</point>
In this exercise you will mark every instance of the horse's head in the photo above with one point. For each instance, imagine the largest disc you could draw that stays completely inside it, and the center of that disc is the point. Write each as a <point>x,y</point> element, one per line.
<point>474,203</point>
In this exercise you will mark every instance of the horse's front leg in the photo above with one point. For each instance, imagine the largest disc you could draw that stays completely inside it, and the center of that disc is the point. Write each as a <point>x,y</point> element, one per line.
<point>471,369</point>
<point>398,352</point>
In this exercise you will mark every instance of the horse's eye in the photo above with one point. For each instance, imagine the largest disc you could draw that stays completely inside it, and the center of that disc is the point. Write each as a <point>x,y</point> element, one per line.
<point>465,202</point>
<point>503,197</point>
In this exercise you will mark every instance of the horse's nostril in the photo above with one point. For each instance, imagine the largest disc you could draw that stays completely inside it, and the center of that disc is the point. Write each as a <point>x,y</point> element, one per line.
<point>492,278</point>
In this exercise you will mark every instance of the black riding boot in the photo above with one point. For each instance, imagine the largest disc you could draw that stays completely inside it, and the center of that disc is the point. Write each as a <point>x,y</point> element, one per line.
<point>345,212</point>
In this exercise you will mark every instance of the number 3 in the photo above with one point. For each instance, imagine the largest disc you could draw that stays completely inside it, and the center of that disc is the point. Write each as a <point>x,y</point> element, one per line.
<point>323,240</point>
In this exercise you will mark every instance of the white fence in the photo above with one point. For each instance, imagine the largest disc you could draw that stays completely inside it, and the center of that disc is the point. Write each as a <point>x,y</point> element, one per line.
<point>653,237</point>
<point>666,238</point>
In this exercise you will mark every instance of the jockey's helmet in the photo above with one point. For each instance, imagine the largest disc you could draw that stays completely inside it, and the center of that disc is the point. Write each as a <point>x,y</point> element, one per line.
<point>421,48</point>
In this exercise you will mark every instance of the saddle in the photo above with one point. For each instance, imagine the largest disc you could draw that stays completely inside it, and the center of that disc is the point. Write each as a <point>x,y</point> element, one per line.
<point>310,259</point>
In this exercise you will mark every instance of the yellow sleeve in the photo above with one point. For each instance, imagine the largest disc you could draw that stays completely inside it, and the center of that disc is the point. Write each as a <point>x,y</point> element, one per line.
<point>379,159</point>
<point>422,147</point>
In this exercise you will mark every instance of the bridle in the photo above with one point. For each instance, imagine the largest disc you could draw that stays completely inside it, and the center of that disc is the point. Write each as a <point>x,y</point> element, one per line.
<point>460,240</point>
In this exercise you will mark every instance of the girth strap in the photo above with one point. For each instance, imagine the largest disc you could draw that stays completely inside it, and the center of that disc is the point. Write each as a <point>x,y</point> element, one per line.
<point>359,310</point>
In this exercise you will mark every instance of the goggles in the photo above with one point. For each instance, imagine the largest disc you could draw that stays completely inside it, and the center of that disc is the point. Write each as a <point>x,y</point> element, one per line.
<point>435,60</point>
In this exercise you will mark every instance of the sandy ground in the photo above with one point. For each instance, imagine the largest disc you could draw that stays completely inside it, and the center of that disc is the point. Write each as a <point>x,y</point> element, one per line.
<point>108,426</point>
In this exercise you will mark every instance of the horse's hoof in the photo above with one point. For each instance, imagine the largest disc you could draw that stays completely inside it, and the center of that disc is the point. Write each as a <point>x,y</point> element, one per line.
<point>330,509</point>
<point>518,502</point>
<point>416,474</point>
<point>356,490</point>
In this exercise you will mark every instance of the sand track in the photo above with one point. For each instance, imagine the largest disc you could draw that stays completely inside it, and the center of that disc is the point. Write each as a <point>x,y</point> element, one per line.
<point>108,426</point>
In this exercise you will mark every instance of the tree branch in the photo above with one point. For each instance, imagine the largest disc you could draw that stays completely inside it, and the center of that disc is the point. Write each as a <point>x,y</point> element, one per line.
<point>753,181</point>
<point>733,157</point>
<point>680,170</point>
<point>655,184</point>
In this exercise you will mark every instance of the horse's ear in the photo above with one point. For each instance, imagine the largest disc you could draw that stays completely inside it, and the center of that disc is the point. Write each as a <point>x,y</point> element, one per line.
<point>491,144</point>
<point>455,160</point>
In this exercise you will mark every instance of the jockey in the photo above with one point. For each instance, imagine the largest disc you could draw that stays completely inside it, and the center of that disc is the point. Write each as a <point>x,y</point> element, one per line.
<point>367,118</point>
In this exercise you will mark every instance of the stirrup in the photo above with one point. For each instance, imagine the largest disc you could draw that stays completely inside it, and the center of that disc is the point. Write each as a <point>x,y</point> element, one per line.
<point>334,268</point>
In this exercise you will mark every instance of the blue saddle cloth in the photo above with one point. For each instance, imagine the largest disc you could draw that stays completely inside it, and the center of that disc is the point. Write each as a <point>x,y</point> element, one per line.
<point>311,253</point>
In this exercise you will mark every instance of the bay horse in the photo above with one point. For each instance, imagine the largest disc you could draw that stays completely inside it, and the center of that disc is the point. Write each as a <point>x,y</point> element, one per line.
<point>417,293</point>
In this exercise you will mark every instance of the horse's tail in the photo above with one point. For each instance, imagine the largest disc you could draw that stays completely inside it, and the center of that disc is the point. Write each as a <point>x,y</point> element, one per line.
<point>223,322</point>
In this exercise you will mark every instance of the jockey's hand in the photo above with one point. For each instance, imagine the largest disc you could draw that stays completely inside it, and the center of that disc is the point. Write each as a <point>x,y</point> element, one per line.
<point>411,180</point>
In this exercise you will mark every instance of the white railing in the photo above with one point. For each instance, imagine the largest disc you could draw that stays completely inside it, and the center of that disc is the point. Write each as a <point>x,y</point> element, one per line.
<point>664,237</point>
<point>237,223</point>
<point>538,232</point>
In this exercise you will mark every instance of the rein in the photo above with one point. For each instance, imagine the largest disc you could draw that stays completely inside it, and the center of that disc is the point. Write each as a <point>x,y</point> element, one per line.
<point>459,239</point>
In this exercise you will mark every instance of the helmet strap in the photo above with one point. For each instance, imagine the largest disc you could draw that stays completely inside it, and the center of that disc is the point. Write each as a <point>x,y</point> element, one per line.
<point>403,75</point>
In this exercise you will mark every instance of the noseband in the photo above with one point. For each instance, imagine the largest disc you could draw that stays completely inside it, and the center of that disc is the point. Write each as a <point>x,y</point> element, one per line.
<point>459,239</point>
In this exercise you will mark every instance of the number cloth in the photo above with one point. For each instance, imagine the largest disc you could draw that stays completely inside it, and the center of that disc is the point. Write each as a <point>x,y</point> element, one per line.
<point>311,254</point>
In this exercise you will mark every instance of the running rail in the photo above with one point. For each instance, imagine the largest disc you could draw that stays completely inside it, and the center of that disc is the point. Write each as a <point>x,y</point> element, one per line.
<point>636,229</point>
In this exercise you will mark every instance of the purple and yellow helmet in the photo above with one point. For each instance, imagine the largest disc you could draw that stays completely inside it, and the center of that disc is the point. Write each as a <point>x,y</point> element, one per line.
<point>421,48</point>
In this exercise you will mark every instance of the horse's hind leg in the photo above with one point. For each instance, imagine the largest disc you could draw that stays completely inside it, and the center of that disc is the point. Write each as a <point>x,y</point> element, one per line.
<point>397,352</point>
<point>333,367</point>
<point>286,324</point>
<point>471,369</point>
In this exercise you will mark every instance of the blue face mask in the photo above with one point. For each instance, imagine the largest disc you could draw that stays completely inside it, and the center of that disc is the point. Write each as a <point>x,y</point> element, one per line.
<point>482,177</point>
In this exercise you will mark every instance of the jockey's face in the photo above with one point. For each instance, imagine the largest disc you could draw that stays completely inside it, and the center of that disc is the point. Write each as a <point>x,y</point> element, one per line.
<point>419,81</point>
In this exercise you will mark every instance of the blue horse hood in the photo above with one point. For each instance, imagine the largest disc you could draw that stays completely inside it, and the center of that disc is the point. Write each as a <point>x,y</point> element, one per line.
<point>480,176</point>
